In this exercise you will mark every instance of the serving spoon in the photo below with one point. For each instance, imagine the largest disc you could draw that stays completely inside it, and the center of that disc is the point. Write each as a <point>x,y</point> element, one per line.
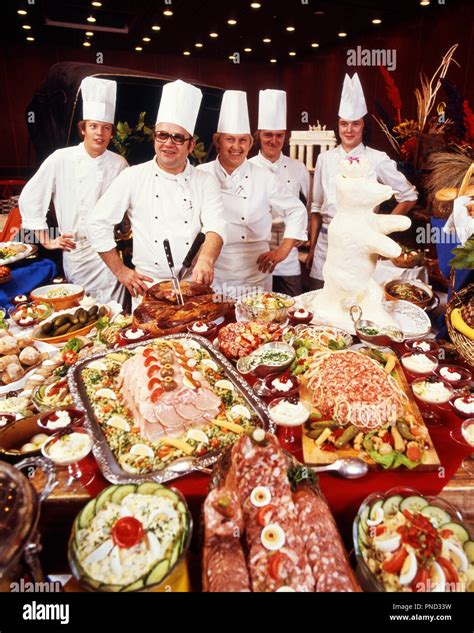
<point>349,468</point>
<point>184,465</point>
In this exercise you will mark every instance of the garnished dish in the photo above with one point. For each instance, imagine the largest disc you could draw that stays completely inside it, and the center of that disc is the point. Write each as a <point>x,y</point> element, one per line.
<point>133,334</point>
<point>362,407</point>
<point>76,322</point>
<point>456,375</point>
<point>54,421</point>
<point>203,328</point>
<point>30,314</point>
<point>267,527</point>
<point>289,411</point>
<point>432,390</point>
<point>300,315</point>
<point>14,251</point>
<point>419,363</point>
<point>19,299</point>
<point>61,296</point>
<point>241,339</point>
<point>463,405</point>
<point>267,306</point>
<point>406,542</point>
<point>277,384</point>
<point>425,346</point>
<point>68,447</point>
<point>413,291</point>
<point>155,403</point>
<point>268,358</point>
<point>130,538</point>
<point>408,258</point>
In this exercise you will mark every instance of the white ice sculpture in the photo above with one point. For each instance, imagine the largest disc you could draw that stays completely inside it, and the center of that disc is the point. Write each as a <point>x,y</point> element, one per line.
<point>356,237</point>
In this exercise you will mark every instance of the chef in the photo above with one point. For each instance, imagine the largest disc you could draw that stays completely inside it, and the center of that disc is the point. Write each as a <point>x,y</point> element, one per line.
<point>290,172</point>
<point>74,178</point>
<point>249,193</point>
<point>165,198</point>
<point>351,125</point>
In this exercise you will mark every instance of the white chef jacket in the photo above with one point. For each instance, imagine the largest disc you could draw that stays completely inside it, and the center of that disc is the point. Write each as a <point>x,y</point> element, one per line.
<point>249,195</point>
<point>160,206</point>
<point>384,169</point>
<point>294,175</point>
<point>74,181</point>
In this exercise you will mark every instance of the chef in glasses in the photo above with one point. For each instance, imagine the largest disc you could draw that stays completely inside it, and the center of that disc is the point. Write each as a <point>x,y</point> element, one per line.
<point>165,198</point>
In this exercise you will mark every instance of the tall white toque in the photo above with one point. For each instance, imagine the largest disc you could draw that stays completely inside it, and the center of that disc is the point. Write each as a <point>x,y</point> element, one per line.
<point>352,106</point>
<point>234,114</point>
<point>272,110</point>
<point>180,103</point>
<point>98,99</point>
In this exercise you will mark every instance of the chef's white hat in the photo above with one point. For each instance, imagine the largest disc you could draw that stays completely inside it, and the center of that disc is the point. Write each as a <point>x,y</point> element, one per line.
<point>352,104</point>
<point>98,99</point>
<point>272,110</point>
<point>234,114</point>
<point>180,103</point>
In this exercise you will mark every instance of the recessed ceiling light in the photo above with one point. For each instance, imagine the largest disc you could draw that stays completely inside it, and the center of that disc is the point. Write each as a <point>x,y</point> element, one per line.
<point>27,27</point>
<point>314,45</point>
<point>247,50</point>
<point>290,28</point>
<point>146,39</point>
<point>91,18</point>
<point>199,45</point>
<point>232,22</point>
<point>186,53</point>
<point>320,13</point>
<point>138,48</point>
<point>255,5</point>
<point>21,12</point>
<point>96,4</point>
<point>213,34</point>
<point>266,40</point>
<point>30,39</point>
<point>342,34</point>
<point>168,12</point>
<point>273,61</point>
<point>424,3</point>
<point>231,57</point>
<point>89,33</point>
<point>376,21</point>
<point>292,53</point>
<point>155,27</point>
<point>86,43</point>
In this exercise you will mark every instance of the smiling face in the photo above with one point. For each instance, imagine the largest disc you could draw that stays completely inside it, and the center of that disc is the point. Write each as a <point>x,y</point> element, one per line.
<point>271,143</point>
<point>233,150</point>
<point>170,156</point>
<point>350,133</point>
<point>97,135</point>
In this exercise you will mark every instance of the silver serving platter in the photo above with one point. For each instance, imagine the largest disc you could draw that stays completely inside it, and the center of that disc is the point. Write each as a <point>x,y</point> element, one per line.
<point>110,468</point>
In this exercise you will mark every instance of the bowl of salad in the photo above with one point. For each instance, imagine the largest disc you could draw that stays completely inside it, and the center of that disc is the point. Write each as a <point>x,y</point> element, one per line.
<point>408,542</point>
<point>269,358</point>
<point>267,306</point>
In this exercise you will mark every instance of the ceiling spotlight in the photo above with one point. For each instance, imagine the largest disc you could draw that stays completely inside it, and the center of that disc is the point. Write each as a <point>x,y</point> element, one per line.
<point>290,28</point>
<point>247,50</point>
<point>21,12</point>
<point>168,12</point>
<point>255,5</point>
<point>138,48</point>
<point>342,34</point>
<point>232,22</point>
<point>155,27</point>
<point>266,40</point>
<point>187,53</point>
<point>320,13</point>
<point>96,4</point>
<point>91,18</point>
<point>231,57</point>
<point>424,3</point>
<point>292,53</point>
<point>213,34</point>
<point>86,44</point>
<point>27,27</point>
<point>199,45</point>
<point>30,39</point>
<point>146,39</point>
<point>89,33</point>
<point>314,45</point>
<point>273,61</point>
<point>376,21</point>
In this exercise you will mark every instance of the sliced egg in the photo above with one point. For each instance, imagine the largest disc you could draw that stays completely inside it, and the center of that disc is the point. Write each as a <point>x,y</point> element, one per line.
<point>105,392</point>
<point>29,446</point>
<point>100,553</point>
<point>272,537</point>
<point>142,450</point>
<point>192,362</point>
<point>379,514</point>
<point>39,438</point>
<point>387,543</point>
<point>260,496</point>
<point>115,562</point>
<point>437,578</point>
<point>207,362</point>
<point>197,435</point>
<point>154,545</point>
<point>457,555</point>
<point>258,435</point>
<point>239,411</point>
<point>187,383</point>
<point>189,343</point>
<point>98,365</point>
<point>285,589</point>
<point>224,384</point>
<point>409,569</point>
<point>118,422</point>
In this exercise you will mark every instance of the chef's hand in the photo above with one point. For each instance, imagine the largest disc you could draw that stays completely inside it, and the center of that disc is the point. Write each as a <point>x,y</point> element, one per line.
<point>309,260</point>
<point>64,242</point>
<point>203,271</point>
<point>267,261</point>
<point>133,280</point>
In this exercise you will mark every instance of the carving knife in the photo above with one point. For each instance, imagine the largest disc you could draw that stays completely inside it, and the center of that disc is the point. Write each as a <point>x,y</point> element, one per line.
<point>191,254</point>
<point>174,279</point>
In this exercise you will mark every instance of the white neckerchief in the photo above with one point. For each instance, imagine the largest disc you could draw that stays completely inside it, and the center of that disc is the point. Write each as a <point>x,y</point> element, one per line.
<point>274,167</point>
<point>235,183</point>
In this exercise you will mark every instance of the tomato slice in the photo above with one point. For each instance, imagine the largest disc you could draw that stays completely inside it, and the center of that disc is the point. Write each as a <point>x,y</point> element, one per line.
<point>421,580</point>
<point>275,565</point>
<point>263,514</point>
<point>449,569</point>
<point>394,564</point>
<point>379,529</point>
<point>148,352</point>
<point>155,396</point>
<point>154,369</point>
<point>127,532</point>
<point>413,453</point>
<point>446,533</point>
<point>150,360</point>
<point>154,382</point>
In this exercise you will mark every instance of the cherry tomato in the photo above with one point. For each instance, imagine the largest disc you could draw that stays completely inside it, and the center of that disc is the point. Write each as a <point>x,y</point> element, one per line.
<point>388,438</point>
<point>379,529</point>
<point>413,453</point>
<point>263,514</point>
<point>127,532</point>
<point>70,357</point>
<point>395,563</point>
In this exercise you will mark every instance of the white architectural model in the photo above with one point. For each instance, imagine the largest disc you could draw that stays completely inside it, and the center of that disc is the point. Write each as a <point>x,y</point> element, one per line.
<point>303,143</point>
<point>356,237</point>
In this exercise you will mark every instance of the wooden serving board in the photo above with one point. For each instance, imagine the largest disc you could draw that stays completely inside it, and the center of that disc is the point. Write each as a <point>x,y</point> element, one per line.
<point>314,456</point>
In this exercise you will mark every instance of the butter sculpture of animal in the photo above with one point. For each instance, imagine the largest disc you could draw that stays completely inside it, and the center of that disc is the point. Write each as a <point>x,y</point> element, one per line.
<point>356,237</point>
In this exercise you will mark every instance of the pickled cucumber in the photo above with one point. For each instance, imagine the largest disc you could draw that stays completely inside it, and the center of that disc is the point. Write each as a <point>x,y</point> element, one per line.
<point>93,311</point>
<point>102,311</point>
<point>63,329</point>
<point>82,315</point>
<point>61,320</point>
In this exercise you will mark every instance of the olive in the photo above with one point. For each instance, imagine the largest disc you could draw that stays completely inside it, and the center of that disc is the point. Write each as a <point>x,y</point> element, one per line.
<point>167,370</point>
<point>169,384</point>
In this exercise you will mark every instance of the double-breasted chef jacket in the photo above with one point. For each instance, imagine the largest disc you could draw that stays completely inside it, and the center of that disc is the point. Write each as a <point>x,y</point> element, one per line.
<point>160,206</point>
<point>249,195</point>
<point>294,175</point>
<point>75,181</point>
<point>384,169</point>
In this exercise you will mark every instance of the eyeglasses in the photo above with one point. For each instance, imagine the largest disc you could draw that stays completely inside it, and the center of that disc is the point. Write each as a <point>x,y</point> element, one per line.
<point>177,139</point>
